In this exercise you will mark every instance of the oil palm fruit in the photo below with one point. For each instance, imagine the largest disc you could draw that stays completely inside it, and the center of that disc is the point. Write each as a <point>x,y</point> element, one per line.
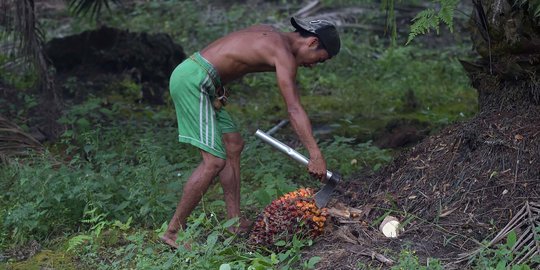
<point>293,213</point>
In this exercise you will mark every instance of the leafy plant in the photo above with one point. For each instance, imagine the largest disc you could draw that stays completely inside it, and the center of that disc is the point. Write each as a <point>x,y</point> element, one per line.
<point>346,156</point>
<point>500,256</point>
<point>409,260</point>
<point>92,7</point>
<point>97,221</point>
<point>429,18</point>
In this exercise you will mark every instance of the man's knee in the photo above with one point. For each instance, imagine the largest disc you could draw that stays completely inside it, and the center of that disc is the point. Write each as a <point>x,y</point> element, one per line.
<point>213,163</point>
<point>236,147</point>
<point>234,144</point>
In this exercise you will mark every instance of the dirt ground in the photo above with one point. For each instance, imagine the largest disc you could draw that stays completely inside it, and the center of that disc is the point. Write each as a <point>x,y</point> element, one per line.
<point>451,191</point>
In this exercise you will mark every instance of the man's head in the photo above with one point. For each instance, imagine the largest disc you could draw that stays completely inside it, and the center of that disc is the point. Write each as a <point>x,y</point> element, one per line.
<point>324,30</point>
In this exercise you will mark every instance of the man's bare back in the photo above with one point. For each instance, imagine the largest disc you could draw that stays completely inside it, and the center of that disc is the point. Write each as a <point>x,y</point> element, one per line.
<point>245,51</point>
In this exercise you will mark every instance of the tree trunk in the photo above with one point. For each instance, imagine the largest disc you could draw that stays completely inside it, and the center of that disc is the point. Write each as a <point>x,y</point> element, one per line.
<point>506,35</point>
<point>49,108</point>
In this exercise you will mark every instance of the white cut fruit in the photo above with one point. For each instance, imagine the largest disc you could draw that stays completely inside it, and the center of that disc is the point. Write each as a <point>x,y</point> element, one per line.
<point>390,227</point>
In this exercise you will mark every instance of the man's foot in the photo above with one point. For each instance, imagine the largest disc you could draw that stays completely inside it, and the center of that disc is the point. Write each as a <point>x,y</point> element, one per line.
<point>171,242</point>
<point>245,225</point>
<point>243,228</point>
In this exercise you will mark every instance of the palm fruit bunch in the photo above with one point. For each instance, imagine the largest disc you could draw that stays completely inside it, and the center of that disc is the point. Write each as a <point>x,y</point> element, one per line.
<point>293,213</point>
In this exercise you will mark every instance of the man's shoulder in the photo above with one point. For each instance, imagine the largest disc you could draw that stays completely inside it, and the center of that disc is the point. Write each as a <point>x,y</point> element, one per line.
<point>261,28</point>
<point>262,37</point>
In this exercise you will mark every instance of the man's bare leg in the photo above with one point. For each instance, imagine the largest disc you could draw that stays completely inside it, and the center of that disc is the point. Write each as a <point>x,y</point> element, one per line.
<point>230,177</point>
<point>194,189</point>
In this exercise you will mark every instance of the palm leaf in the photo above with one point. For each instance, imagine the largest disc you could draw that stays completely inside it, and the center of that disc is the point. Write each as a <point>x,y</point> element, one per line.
<point>92,7</point>
<point>525,244</point>
<point>24,39</point>
<point>14,141</point>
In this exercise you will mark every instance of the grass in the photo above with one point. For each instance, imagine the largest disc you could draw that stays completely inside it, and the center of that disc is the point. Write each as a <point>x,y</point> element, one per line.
<point>122,169</point>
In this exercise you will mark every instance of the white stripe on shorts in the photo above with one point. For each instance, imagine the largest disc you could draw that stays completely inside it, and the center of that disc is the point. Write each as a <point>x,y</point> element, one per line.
<point>213,128</point>
<point>202,101</point>
<point>206,115</point>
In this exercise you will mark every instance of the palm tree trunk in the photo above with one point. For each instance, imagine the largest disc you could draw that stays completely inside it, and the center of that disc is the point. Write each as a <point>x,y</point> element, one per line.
<point>31,43</point>
<point>506,35</point>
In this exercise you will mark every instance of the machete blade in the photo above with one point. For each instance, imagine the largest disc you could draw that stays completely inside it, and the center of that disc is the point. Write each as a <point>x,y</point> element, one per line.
<point>323,196</point>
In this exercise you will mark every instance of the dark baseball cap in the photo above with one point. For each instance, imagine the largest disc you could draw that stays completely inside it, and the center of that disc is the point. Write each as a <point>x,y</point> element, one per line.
<point>324,30</point>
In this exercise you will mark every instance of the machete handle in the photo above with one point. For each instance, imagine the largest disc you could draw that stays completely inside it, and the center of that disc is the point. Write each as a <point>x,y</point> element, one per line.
<point>330,176</point>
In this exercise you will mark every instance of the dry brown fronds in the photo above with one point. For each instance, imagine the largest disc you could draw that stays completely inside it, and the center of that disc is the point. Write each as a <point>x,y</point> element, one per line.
<point>14,142</point>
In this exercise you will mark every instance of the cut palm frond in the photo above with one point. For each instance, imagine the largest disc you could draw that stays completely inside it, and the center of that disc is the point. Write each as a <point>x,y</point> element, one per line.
<point>92,7</point>
<point>523,230</point>
<point>24,39</point>
<point>14,142</point>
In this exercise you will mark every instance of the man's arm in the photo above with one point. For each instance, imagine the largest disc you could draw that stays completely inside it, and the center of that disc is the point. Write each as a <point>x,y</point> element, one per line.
<point>286,74</point>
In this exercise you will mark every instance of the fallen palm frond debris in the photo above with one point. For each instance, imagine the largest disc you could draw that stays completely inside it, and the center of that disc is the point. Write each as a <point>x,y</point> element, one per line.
<point>14,141</point>
<point>523,232</point>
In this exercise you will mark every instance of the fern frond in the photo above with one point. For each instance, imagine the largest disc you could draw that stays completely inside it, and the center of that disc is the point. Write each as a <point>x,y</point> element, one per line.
<point>431,19</point>
<point>123,226</point>
<point>77,241</point>
<point>423,22</point>
<point>92,7</point>
<point>446,13</point>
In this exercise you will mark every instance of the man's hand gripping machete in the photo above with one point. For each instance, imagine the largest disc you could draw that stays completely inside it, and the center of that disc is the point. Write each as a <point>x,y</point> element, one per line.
<point>332,178</point>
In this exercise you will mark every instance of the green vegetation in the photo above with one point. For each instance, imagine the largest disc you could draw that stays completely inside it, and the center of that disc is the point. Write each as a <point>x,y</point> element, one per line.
<point>430,19</point>
<point>99,198</point>
<point>498,258</point>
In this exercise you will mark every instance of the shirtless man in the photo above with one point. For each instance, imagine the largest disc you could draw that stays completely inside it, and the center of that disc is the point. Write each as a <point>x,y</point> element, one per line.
<point>196,87</point>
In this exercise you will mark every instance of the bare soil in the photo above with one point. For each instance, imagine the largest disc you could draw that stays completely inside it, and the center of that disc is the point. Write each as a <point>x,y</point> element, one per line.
<point>451,191</point>
<point>93,56</point>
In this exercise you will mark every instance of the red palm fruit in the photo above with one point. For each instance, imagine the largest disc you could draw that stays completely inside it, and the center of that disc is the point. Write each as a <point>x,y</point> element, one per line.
<point>293,213</point>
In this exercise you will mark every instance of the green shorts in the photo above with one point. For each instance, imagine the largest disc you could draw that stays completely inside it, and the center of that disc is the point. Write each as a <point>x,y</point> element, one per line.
<point>192,91</point>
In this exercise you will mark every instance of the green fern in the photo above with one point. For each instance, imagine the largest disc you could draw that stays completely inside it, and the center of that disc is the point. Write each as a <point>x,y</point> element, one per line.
<point>78,240</point>
<point>123,226</point>
<point>98,221</point>
<point>423,22</point>
<point>446,13</point>
<point>429,19</point>
<point>98,224</point>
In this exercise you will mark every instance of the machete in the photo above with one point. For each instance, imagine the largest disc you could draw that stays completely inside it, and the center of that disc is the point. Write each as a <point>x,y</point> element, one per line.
<point>321,197</point>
